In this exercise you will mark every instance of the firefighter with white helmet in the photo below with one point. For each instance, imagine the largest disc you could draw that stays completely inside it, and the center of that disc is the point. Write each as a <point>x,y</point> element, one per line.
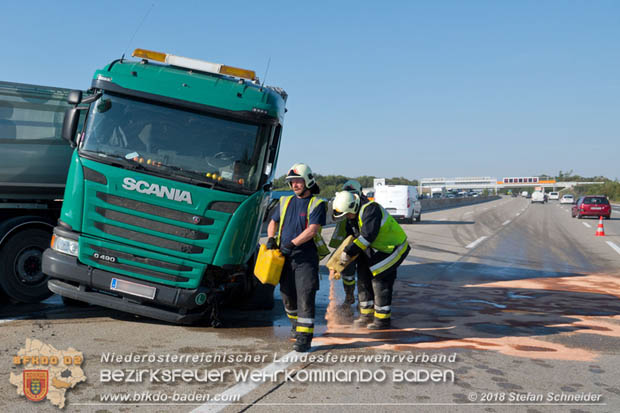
<point>344,228</point>
<point>295,228</point>
<point>382,246</point>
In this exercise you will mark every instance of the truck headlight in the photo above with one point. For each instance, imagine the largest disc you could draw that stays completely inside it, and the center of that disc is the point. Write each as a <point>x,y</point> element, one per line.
<point>65,245</point>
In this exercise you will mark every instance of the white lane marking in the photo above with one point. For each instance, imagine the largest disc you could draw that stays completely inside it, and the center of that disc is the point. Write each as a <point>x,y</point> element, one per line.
<point>614,246</point>
<point>476,242</point>
<point>586,224</point>
<point>506,223</point>
<point>243,388</point>
<point>8,320</point>
<point>443,219</point>
<point>467,213</point>
<point>518,213</point>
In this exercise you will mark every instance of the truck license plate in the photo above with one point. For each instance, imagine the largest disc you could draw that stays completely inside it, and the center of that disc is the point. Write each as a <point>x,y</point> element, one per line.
<point>132,288</point>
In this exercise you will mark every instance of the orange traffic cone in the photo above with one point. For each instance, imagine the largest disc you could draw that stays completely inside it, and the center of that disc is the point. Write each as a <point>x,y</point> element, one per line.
<point>600,230</point>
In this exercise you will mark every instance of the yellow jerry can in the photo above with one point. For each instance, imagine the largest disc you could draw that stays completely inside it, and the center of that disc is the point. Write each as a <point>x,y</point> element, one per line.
<point>334,261</point>
<point>269,265</point>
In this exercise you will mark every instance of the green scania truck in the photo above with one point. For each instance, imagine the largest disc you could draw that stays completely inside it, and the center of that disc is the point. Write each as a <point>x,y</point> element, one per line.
<point>167,187</point>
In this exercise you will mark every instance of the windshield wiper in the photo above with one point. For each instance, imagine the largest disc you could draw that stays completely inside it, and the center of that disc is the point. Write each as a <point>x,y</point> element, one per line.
<point>124,162</point>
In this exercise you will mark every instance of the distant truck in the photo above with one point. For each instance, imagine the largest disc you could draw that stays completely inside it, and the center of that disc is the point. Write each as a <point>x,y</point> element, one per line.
<point>400,201</point>
<point>34,160</point>
<point>438,192</point>
<point>167,188</point>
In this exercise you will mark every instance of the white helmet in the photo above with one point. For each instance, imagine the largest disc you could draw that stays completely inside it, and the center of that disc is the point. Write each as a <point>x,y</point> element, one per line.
<point>345,202</point>
<point>352,186</point>
<point>301,170</point>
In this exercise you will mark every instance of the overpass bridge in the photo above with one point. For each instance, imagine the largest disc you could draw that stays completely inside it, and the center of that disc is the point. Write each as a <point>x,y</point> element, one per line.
<point>493,184</point>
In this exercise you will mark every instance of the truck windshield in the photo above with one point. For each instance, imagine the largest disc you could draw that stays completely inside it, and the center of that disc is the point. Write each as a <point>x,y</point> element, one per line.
<point>162,139</point>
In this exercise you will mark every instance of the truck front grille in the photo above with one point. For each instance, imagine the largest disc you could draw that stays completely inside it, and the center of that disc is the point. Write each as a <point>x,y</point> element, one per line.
<point>130,258</point>
<point>150,224</point>
<point>154,209</point>
<point>148,239</point>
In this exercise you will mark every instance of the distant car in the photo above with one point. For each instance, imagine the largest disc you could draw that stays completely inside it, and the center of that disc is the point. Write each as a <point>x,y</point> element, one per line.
<point>592,206</point>
<point>567,199</point>
<point>554,196</point>
<point>525,194</point>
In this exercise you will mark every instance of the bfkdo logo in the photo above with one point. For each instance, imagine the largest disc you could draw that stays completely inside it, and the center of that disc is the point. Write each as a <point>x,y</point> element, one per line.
<point>35,384</point>
<point>46,372</point>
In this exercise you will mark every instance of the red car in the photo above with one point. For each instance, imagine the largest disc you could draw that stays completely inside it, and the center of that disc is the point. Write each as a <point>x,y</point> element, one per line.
<point>592,206</point>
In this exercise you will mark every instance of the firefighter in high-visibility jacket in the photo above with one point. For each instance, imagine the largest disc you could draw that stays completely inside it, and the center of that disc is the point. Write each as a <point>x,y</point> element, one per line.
<point>295,228</point>
<point>343,229</point>
<point>381,247</point>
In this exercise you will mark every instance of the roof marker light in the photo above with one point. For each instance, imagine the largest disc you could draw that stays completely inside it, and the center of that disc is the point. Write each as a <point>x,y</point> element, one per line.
<point>195,64</point>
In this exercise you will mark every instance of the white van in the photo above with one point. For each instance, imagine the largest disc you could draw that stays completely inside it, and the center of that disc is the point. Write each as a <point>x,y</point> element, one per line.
<point>400,201</point>
<point>538,196</point>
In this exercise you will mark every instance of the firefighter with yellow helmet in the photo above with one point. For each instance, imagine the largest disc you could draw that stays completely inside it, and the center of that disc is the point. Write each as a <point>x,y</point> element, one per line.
<point>295,228</point>
<point>344,228</point>
<point>382,246</point>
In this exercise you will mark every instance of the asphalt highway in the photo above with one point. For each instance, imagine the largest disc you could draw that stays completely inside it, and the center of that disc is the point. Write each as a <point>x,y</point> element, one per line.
<point>507,305</point>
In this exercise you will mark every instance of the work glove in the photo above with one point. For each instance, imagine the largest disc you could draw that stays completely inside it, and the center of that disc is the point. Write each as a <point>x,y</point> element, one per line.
<point>334,275</point>
<point>272,244</point>
<point>344,258</point>
<point>287,249</point>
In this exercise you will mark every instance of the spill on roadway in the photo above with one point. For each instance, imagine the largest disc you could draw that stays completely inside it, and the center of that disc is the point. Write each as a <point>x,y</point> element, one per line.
<point>532,318</point>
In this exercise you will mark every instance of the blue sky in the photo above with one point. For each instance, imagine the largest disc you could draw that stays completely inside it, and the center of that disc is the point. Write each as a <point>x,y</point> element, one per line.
<point>396,88</point>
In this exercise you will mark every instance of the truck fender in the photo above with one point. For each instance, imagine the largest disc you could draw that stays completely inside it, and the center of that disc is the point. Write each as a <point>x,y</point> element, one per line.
<point>17,224</point>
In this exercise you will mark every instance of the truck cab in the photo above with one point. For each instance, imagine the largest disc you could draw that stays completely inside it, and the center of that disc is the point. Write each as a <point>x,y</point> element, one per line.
<point>167,187</point>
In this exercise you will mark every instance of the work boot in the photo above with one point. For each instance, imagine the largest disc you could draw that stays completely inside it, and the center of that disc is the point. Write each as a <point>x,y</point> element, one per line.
<point>302,344</point>
<point>363,320</point>
<point>379,324</point>
<point>349,298</point>
<point>293,333</point>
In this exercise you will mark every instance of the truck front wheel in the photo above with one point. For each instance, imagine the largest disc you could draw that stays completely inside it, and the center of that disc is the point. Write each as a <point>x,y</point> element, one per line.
<point>21,276</point>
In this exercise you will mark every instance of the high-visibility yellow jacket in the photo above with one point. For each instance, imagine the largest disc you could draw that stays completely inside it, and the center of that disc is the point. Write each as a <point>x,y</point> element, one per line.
<point>384,235</point>
<point>321,247</point>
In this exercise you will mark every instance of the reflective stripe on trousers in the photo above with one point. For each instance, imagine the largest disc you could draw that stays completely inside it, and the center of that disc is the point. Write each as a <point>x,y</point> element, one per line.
<point>305,325</point>
<point>383,311</point>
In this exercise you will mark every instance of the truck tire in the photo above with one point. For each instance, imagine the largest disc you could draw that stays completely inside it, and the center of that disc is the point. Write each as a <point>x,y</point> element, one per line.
<point>21,276</point>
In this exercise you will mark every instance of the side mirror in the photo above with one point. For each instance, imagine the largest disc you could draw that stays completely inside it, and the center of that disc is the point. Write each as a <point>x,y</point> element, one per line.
<point>69,126</point>
<point>75,97</point>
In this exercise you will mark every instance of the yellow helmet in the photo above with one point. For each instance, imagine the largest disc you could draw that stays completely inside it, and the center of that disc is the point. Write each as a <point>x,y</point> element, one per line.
<point>344,203</point>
